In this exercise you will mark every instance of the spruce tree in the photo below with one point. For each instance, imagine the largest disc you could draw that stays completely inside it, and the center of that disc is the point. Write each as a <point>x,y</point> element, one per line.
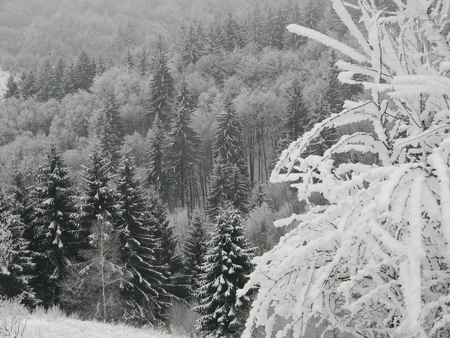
<point>255,29</point>
<point>84,72</point>
<point>16,262</point>
<point>295,114</point>
<point>192,47</point>
<point>144,294</point>
<point>184,146</point>
<point>195,248</point>
<point>54,229</point>
<point>166,253</point>
<point>12,88</point>
<point>225,271</point>
<point>161,87</point>
<point>229,181</point>
<point>43,82</point>
<point>233,34</point>
<point>111,130</point>
<point>100,198</point>
<point>27,84</point>
<point>157,173</point>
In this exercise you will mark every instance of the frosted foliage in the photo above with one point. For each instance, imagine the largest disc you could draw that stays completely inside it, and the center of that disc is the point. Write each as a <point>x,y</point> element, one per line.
<point>373,261</point>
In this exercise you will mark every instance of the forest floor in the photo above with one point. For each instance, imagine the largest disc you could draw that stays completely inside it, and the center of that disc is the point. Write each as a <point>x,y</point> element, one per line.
<point>15,321</point>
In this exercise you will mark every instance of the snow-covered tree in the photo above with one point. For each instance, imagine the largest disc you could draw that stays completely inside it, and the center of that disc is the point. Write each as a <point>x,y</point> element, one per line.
<point>157,166</point>
<point>372,259</point>
<point>144,293</point>
<point>53,228</point>
<point>225,271</point>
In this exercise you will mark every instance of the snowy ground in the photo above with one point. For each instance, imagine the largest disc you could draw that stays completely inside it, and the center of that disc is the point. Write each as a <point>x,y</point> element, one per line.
<point>17,322</point>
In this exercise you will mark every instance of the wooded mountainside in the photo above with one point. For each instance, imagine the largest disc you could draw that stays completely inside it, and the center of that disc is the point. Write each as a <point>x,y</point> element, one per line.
<point>197,98</point>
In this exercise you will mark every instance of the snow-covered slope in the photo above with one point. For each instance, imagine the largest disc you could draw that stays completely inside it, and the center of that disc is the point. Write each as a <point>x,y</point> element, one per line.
<point>15,321</point>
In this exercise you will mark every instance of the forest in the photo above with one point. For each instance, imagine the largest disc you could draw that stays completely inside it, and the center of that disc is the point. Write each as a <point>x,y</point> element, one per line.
<point>137,141</point>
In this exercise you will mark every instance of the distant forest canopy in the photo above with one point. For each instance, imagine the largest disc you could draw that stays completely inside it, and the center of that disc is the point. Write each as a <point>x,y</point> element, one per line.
<point>68,59</point>
<point>33,28</point>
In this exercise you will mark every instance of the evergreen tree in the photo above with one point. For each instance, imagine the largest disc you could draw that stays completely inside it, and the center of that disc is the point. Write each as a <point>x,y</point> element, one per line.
<point>144,293</point>
<point>166,253</point>
<point>229,139</point>
<point>27,84</point>
<point>44,81</point>
<point>129,61</point>
<point>228,186</point>
<point>142,62</point>
<point>255,28</point>
<point>54,229</point>
<point>192,47</point>
<point>295,114</point>
<point>111,130</point>
<point>290,40</point>
<point>184,146</point>
<point>157,173</point>
<point>229,181</point>
<point>233,34</point>
<point>215,39</point>
<point>12,88</point>
<point>195,247</point>
<point>16,262</point>
<point>84,72</point>
<point>226,270</point>
<point>161,87</point>
<point>100,199</point>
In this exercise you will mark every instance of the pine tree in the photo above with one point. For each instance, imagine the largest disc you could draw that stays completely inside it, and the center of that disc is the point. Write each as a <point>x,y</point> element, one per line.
<point>233,34</point>
<point>84,72</point>
<point>157,173</point>
<point>12,88</point>
<point>15,258</point>
<point>195,247</point>
<point>142,64</point>
<point>111,130</point>
<point>100,199</point>
<point>166,254</point>
<point>161,87</point>
<point>184,146</point>
<point>295,113</point>
<point>44,81</point>
<point>129,61</point>
<point>100,69</point>
<point>192,47</point>
<point>27,84</point>
<point>54,229</point>
<point>144,294</point>
<point>226,270</point>
<point>292,41</point>
<point>229,181</point>
<point>255,28</point>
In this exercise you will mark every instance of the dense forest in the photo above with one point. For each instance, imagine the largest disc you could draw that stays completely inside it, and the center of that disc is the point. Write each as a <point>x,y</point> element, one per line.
<point>133,133</point>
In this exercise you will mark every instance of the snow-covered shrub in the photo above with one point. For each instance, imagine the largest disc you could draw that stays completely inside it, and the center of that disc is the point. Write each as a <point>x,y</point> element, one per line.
<point>373,261</point>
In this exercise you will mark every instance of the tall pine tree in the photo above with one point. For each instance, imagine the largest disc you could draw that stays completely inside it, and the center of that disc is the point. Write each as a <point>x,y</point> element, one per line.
<point>226,270</point>
<point>157,173</point>
<point>54,229</point>
<point>144,295</point>
<point>161,87</point>
<point>184,147</point>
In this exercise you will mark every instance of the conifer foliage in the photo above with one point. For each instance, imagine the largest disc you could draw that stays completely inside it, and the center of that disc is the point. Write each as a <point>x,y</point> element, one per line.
<point>224,272</point>
<point>161,86</point>
<point>184,145</point>
<point>53,228</point>
<point>374,257</point>
<point>144,293</point>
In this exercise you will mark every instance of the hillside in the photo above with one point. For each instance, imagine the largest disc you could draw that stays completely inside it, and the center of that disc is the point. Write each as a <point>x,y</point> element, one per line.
<point>16,321</point>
